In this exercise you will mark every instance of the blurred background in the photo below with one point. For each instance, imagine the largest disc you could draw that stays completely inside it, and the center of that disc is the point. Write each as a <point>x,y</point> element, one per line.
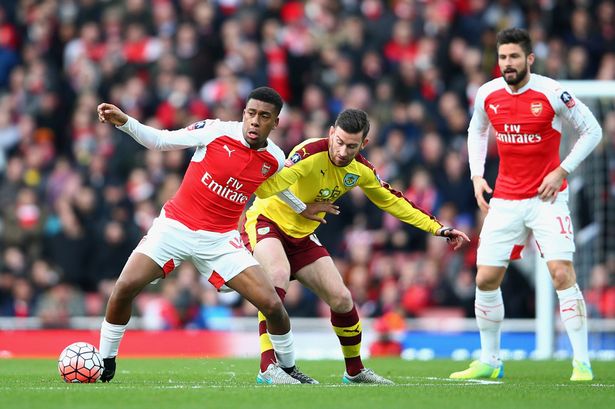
<point>76,196</point>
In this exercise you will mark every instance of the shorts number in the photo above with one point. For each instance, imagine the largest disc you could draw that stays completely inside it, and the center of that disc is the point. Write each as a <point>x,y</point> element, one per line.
<point>565,224</point>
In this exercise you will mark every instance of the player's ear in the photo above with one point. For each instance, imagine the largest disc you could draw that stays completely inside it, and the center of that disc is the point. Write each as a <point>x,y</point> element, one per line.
<point>365,142</point>
<point>331,130</point>
<point>531,58</point>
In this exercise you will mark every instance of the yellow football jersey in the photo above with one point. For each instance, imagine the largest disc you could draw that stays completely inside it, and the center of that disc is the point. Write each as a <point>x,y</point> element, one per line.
<point>310,175</point>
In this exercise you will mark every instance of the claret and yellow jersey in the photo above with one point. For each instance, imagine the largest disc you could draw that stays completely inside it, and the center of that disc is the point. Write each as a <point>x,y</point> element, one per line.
<point>312,177</point>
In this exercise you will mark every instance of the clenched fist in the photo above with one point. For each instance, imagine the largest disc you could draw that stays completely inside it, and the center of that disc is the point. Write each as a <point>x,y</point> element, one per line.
<point>112,114</point>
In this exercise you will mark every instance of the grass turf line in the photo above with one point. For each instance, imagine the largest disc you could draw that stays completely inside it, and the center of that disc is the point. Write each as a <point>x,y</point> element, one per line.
<point>230,383</point>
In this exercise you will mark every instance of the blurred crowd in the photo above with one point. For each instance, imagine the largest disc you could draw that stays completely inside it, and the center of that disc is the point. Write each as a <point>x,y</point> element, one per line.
<point>76,196</point>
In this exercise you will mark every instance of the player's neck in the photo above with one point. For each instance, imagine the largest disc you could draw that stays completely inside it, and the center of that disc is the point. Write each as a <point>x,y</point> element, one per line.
<point>515,88</point>
<point>257,146</point>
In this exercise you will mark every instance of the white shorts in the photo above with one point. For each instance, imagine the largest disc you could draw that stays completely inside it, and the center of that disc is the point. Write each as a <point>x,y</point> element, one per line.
<point>509,223</point>
<point>217,256</point>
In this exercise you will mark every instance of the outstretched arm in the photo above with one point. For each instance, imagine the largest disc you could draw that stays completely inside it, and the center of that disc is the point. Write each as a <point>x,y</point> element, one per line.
<point>151,138</point>
<point>396,204</point>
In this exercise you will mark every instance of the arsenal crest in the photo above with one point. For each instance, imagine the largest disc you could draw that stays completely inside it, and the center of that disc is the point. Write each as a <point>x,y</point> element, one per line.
<point>266,168</point>
<point>536,108</point>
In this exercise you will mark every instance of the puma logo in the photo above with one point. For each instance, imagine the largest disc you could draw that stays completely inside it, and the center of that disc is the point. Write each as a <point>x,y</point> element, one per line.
<point>229,150</point>
<point>322,172</point>
<point>354,330</point>
<point>494,108</point>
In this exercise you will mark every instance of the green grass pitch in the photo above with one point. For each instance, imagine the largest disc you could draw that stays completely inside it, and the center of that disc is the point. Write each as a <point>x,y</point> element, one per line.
<point>230,383</point>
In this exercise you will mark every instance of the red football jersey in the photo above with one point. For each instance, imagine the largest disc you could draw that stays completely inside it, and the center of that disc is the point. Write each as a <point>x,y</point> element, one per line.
<point>527,125</point>
<point>223,173</point>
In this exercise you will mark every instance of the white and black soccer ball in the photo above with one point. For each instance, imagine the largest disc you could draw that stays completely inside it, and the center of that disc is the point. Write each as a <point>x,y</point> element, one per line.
<point>80,363</point>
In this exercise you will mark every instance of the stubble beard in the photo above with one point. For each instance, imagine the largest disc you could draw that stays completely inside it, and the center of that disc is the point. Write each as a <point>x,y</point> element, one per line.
<point>520,76</point>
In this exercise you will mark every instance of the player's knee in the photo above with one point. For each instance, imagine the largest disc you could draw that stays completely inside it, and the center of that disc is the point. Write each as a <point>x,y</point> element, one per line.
<point>126,289</point>
<point>563,275</point>
<point>279,276</point>
<point>486,282</point>
<point>341,301</point>
<point>489,278</point>
<point>272,308</point>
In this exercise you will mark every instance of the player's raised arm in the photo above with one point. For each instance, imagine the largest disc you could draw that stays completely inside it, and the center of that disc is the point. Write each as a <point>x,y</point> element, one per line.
<point>151,138</point>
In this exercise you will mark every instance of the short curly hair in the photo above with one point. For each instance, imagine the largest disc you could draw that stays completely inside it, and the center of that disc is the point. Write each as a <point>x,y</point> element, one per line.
<point>268,95</point>
<point>515,36</point>
<point>353,121</point>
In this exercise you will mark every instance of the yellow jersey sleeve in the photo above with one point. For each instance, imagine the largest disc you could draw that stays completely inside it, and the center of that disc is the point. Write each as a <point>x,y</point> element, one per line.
<point>394,202</point>
<point>310,176</point>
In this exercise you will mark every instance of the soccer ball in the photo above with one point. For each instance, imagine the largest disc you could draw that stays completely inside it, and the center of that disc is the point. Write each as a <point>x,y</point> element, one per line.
<point>80,363</point>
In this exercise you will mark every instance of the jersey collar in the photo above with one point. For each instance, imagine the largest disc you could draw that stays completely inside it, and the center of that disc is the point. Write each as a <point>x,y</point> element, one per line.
<point>522,89</point>
<point>247,145</point>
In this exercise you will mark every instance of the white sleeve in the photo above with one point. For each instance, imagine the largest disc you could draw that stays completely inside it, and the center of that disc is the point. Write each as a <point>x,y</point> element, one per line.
<point>162,140</point>
<point>578,115</point>
<point>293,201</point>
<point>478,137</point>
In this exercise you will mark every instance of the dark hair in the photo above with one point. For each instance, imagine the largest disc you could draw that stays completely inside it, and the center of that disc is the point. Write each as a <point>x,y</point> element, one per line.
<point>353,121</point>
<point>515,36</point>
<point>268,95</point>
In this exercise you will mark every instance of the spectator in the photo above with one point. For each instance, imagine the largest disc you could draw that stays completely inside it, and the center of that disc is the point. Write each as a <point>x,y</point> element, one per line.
<point>387,328</point>
<point>58,304</point>
<point>601,293</point>
<point>414,66</point>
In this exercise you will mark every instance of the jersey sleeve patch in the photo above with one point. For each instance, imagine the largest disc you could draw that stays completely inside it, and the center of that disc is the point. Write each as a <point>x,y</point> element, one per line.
<point>296,157</point>
<point>196,125</point>
<point>567,99</point>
